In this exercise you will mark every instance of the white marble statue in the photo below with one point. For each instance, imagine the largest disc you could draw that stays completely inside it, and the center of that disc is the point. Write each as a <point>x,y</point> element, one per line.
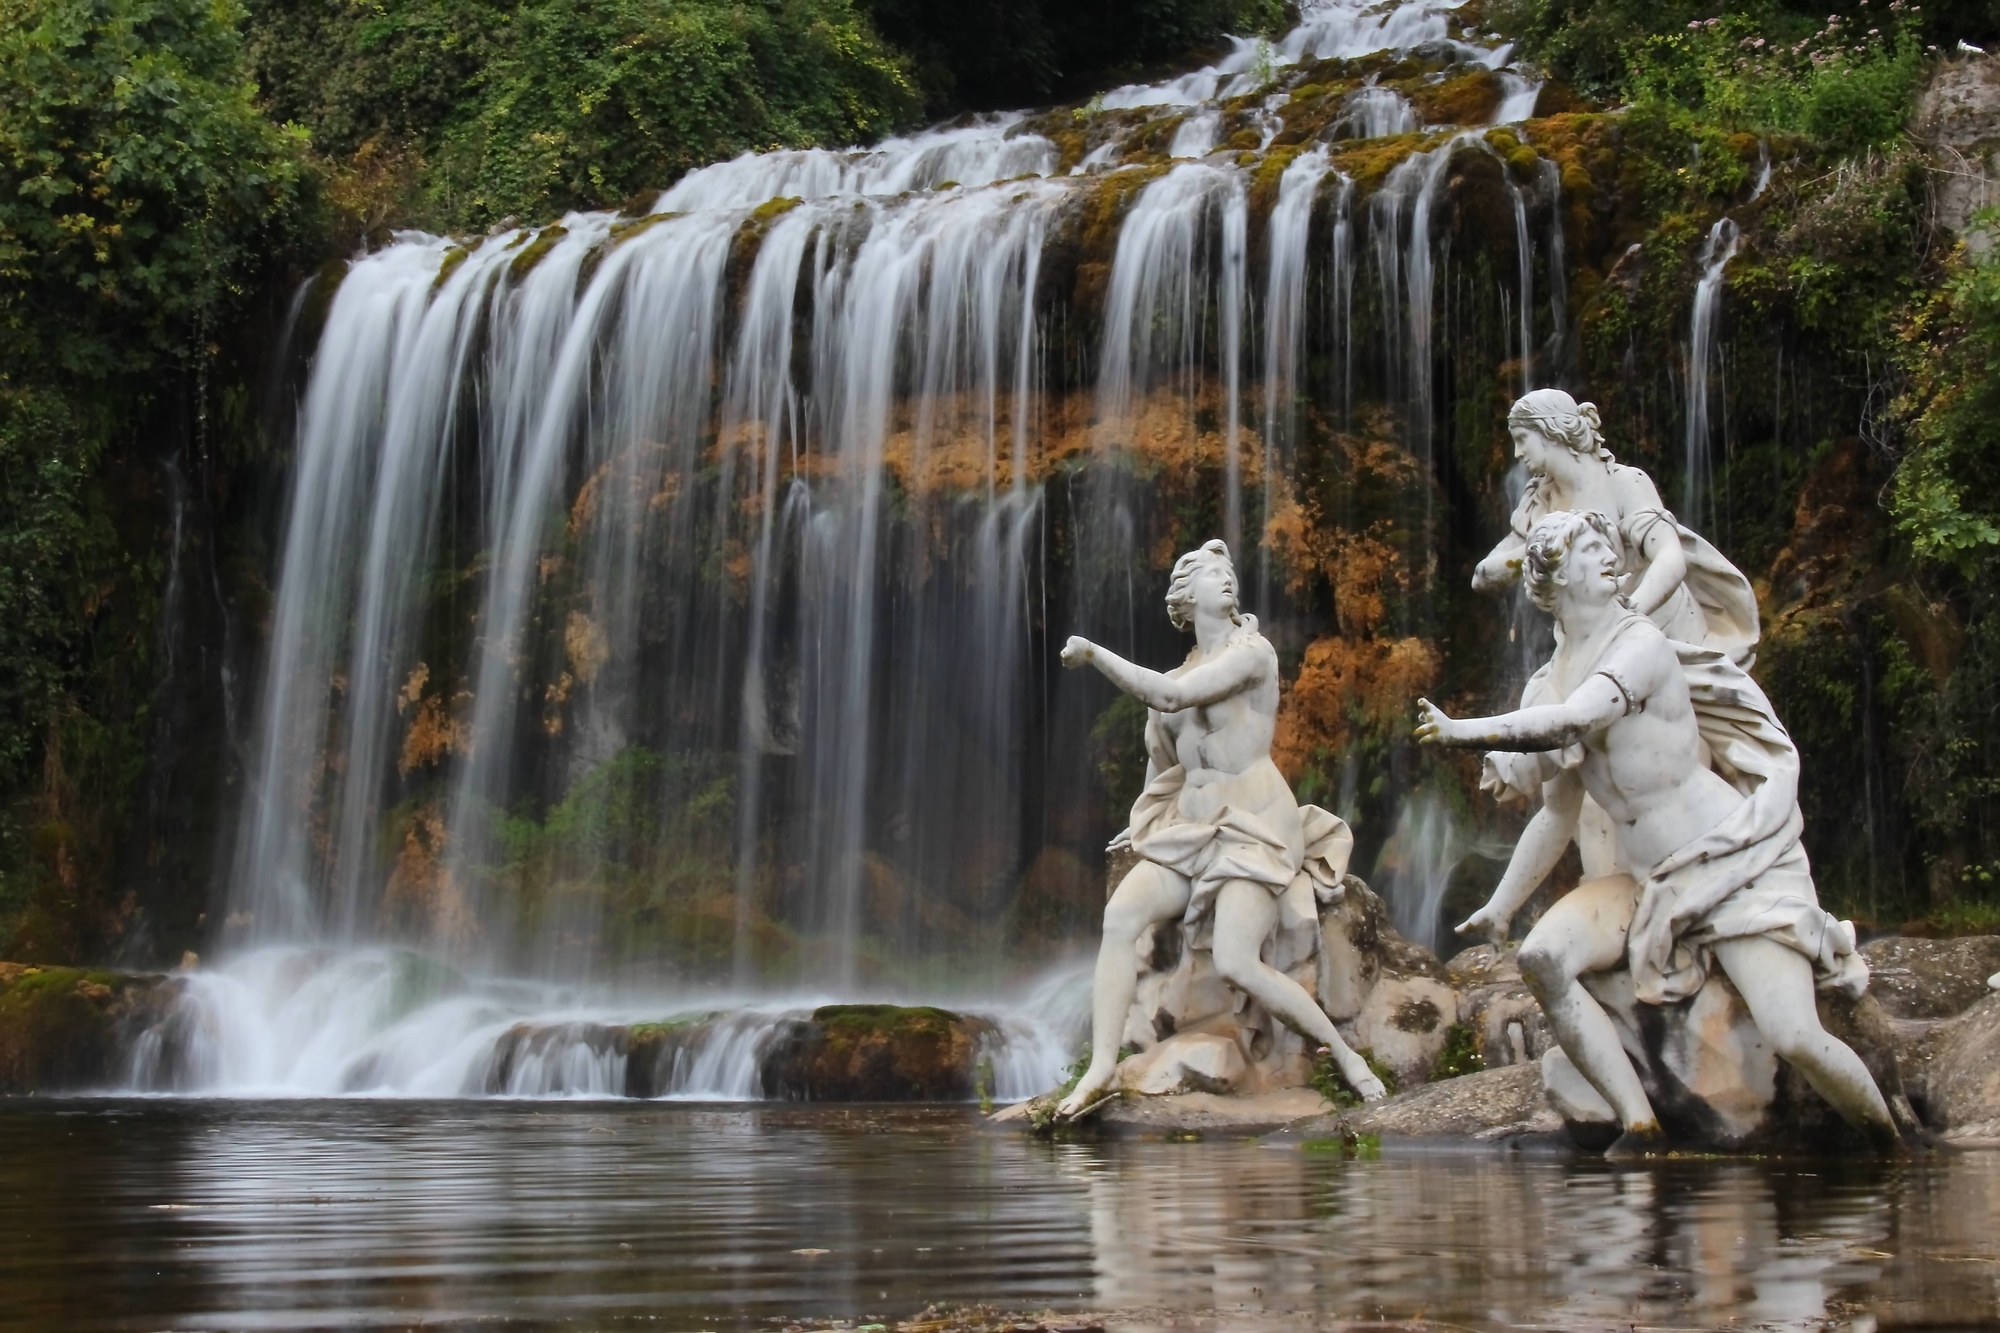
<point>1681,749</point>
<point>1669,573</point>
<point>1218,831</point>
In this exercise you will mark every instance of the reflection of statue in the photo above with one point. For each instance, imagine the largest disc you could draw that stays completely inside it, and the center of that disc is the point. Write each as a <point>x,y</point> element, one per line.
<point>1217,825</point>
<point>1712,864</point>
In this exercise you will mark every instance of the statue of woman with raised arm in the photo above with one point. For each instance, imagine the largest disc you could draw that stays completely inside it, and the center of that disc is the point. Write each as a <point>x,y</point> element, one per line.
<point>1681,749</point>
<point>1217,825</point>
<point>1671,575</point>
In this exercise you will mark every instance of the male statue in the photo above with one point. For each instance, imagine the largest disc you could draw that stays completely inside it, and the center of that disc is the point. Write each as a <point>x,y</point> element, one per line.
<point>1710,861</point>
<point>1217,825</point>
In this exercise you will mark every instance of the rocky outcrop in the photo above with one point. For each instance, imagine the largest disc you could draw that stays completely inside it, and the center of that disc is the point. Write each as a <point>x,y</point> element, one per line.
<point>874,1053</point>
<point>1931,1039</point>
<point>67,1029</point>
<point>1956,1078</point>
<point>1492,1106</point>
<point>1911,977</point>
<point>1496,1006</point>
<point>1193,1032</point>
<point>1958,119</point>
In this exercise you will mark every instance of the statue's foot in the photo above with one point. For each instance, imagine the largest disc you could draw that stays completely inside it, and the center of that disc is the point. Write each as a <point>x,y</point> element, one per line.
<point>1638,1143</point>
<point>1366,1086</point>
<point>1089,1090</point>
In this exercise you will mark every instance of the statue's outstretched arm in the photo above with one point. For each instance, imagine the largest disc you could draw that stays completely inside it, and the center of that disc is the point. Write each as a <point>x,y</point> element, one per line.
<point>1542,844</point>
<point>1501,569</point>
<point>1597,702</point>
<point>1233,671</point>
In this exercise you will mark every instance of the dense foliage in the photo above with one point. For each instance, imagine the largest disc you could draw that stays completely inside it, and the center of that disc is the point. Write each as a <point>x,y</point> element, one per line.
<point>145,201</point>
<point>489,108</point>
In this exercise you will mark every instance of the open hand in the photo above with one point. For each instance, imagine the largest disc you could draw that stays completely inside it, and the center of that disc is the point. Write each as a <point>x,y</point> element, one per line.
<point>1122,841</point>
<point>1077,651</point>
<point>1433,727</point>
<point>1486,922</point>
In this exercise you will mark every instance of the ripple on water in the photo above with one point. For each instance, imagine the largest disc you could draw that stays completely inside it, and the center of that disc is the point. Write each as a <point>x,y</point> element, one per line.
<point>366,1214</point>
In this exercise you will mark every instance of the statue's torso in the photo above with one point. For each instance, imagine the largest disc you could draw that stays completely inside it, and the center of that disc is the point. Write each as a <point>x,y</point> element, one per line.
<point>1646,769</point>
<point>1225,748</point>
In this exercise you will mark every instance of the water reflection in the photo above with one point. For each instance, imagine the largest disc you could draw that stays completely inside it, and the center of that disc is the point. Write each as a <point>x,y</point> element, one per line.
<point>362,1213</point>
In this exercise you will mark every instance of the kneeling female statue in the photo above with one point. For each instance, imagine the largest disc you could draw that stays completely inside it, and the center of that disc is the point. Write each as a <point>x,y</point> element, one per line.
<point>1217,827</point>
<point>1709,867</point>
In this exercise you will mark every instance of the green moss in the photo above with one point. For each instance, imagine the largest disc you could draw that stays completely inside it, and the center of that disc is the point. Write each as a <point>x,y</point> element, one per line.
<point>453,257</point>
<point>851,1022</point>
<point>535,252</point>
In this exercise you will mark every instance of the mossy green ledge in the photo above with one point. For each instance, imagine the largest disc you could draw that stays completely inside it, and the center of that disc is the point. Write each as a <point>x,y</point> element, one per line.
<point>68,1029</point>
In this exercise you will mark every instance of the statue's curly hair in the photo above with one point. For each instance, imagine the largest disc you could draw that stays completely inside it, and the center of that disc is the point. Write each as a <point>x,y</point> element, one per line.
<point>1564,420</point>
<point>1549,544</point>
<point>1180,593</point>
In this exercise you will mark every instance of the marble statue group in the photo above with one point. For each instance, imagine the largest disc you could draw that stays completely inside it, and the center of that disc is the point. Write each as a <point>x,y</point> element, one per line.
<point>1647,745</point>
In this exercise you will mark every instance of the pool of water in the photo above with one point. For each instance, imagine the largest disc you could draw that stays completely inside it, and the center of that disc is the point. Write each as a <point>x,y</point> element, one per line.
<point>125,1214</point>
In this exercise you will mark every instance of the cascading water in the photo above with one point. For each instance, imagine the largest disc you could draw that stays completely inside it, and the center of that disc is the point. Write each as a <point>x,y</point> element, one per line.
<point>665,601</point>
<point>1716,252</point>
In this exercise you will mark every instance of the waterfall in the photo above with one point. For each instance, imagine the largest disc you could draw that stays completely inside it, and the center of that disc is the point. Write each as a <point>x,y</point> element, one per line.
<point>1415,866</point>
<point>1716,252</point>
<point>1375,113</point>
<point>673,594</point>
<point>1524,255</point>
<point>1286,238</point>
<point>296,1022</point>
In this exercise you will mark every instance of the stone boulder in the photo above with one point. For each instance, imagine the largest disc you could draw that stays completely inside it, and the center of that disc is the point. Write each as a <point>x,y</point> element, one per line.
<point>1496,1006</point>
<point>1492,1106</point>
<point>1957,118</point>
<point>1956,1077</point>
<point>874,1053</point>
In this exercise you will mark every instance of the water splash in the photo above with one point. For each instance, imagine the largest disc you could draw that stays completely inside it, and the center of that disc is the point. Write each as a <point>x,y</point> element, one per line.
<point>292,1022</point>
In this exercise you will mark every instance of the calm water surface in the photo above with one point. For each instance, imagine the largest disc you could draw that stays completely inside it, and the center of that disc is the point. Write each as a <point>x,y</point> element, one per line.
<point>234,1215</point>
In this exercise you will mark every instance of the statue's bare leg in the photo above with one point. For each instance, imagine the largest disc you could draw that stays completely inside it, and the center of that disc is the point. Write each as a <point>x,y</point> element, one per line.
<point>1777,984</point>
<point>1585,932</point>
<point>1245,915</point>
<point>1148,894</point>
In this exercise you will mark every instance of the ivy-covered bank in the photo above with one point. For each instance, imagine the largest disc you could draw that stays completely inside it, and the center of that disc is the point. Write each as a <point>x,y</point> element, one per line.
<point>172,170</point>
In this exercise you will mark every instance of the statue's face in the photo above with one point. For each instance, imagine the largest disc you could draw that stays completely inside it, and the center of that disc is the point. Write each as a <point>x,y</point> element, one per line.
<point>1533,449</point>
<point>1590,573</point>
<point>1213,588</point>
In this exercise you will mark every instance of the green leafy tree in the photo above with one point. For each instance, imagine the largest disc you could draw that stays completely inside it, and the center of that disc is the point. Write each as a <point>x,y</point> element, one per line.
<point>144,198</point>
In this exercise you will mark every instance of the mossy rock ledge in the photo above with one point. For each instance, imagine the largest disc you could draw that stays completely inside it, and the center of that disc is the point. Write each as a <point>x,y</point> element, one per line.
<point>70,1029</point>
<point>875,1053</point>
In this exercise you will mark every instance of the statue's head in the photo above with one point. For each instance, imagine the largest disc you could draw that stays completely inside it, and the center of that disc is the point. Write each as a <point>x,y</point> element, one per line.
<point>1204,579</point>
<point>1549,417</point>
<point>1576,552</point>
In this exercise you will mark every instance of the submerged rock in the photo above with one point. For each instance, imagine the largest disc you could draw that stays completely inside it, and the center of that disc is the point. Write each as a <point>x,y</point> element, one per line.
<point>875,1053</point>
